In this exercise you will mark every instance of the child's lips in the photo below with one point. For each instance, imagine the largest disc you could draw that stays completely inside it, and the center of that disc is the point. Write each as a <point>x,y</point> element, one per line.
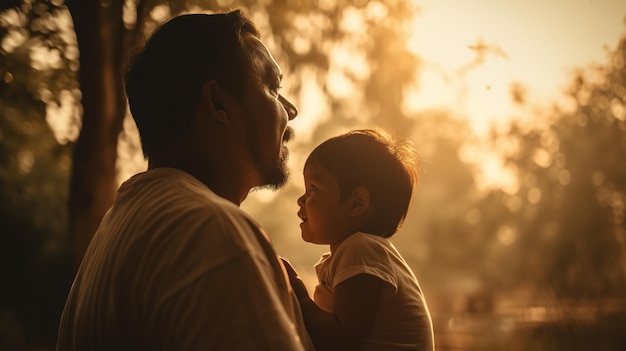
<point>303,217</point>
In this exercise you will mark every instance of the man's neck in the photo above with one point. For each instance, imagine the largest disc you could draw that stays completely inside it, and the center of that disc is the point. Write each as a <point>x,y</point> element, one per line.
<point>219,179</point>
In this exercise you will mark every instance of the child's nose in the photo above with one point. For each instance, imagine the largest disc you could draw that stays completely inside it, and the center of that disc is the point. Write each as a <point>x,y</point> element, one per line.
<point>300,200</point>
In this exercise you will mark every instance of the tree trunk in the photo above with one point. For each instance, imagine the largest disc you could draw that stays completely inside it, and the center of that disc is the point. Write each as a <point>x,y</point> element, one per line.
<point>103,43</point>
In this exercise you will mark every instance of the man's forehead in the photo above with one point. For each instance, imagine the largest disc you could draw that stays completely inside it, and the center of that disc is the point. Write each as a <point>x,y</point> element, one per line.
<point>263,59</point>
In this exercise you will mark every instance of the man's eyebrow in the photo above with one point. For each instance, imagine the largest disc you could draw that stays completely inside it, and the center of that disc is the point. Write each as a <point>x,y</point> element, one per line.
<point>272,73</point>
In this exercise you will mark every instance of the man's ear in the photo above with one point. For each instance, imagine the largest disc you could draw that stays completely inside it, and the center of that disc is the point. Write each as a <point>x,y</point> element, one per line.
<point>360,199</point>
<point>213,100</point>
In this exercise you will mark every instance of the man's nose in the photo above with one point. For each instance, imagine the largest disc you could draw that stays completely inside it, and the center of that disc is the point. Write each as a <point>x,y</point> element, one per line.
<point>292,111</point>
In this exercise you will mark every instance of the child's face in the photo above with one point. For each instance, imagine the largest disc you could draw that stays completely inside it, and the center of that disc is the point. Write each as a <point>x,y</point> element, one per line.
<point>324,219</point>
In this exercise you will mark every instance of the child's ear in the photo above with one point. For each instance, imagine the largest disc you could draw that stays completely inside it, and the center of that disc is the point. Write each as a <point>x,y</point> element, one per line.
<point>212,99</point>
<point>360,199</point>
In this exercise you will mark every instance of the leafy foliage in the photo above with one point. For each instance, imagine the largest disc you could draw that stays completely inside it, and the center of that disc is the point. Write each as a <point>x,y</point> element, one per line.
<point>562,232</point>
<point>574,187</point>
<point>34,169</point>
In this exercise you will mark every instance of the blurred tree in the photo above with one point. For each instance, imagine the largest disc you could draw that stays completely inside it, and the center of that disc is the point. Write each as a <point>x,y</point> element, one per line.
<point>445,193</point>
<point>34,266</point>
<point>105,37</point>
<point>562,232</point>
<point>567,217</point>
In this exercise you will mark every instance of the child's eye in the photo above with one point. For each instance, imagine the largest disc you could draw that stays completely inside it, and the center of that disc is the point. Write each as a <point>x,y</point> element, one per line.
<point>312,187</point>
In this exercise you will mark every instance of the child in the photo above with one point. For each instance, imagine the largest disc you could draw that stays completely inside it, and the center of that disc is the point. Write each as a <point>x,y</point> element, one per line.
<point>358,189</point>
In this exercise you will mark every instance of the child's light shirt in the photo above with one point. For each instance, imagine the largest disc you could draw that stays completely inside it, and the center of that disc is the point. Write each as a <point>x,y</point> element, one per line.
<point>403,320</point>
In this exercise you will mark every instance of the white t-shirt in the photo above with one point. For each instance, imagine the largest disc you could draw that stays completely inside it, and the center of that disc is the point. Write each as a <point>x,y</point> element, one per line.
<point>173,266</point>
<point>403,320</point>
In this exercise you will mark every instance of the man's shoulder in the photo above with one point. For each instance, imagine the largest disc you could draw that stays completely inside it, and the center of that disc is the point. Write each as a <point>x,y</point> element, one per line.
<point>171,205</point>
<point>168,218</point>
<point>176,188</point>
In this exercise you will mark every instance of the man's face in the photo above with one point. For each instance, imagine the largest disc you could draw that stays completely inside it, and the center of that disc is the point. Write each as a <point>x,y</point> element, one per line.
<point>267,114</point>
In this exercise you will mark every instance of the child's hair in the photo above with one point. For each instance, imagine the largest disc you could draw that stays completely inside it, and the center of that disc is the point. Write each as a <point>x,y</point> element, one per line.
<point>387,167</point>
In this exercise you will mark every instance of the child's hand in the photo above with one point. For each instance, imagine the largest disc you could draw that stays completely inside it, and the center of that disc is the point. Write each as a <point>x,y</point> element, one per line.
<point>296,283</point>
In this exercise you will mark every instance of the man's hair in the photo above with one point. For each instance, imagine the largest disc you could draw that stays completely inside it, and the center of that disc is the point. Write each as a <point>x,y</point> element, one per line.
<point>386,167</point>
<point>164,80</point>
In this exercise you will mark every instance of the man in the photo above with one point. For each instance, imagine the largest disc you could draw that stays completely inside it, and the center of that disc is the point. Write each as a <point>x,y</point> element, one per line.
<point>175,263</point>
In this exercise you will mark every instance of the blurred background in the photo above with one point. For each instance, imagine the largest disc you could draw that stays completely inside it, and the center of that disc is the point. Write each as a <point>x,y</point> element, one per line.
<point>517,230</point>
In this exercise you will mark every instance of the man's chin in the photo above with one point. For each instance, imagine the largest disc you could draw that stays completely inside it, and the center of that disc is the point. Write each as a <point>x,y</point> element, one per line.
<point>278,181</point>
<point>275,179</point>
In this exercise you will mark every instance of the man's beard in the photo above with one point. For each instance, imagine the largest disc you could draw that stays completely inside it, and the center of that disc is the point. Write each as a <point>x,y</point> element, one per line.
<point>275,176</point>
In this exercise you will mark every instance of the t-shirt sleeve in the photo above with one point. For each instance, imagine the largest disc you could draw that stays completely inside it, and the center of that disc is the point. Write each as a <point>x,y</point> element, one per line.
<point>358,255</point>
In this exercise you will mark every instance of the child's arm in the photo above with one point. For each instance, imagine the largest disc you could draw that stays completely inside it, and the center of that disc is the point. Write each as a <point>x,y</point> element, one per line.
<point>355,306</point>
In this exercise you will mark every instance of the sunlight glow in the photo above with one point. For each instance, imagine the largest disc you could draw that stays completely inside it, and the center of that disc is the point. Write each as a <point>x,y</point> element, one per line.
<point>564,177</point>
<point>486,60</point>
<point>534,195</point>
<point>312,108</point>
<point>534,43</point>
<point>129,14</point>
<point>506,235</point>
<point>160,13</point>
<point>57,112</point>
<point>43,57</point>
<point>13,39</point>
<point>25,161</point>
<point>618,109</point>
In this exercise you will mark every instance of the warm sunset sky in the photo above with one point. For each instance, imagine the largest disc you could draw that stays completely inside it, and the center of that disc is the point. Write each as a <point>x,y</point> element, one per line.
<point>533,42</point>
<point>536,43</point>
